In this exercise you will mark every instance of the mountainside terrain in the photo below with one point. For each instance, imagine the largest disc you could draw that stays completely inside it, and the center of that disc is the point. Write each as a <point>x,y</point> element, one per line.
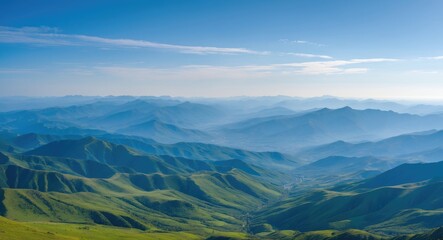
<point>92,181</point>
<point>166,168</point>
<point>405,199</point>
<point>204,151</point>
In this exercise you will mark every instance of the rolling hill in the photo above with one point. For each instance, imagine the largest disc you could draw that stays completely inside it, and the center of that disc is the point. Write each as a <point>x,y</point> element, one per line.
<point>166,168</point>
<point>402,200</point>
<point>208,152</point>
<point>197,151</point>
<point>91,181</point>
<point>129,160</point>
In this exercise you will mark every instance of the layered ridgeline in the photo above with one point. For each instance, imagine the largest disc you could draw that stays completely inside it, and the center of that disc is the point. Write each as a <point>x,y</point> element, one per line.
<point>93,181</point>
<point>421,146</point>
<point>164,168</point>
<point>405,199</point>
<point>11,142</point>
<point>289,133</point>
<point>166,133</point>
<point>266,127</point>
<point>333,170</point>
<point>89,181</point>
<point>164,120</point>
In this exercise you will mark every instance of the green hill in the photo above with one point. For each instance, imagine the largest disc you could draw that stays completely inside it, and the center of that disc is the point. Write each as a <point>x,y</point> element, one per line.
<point>91,181</point>
<point>43,230</point>
<point>116,155</point>
<point>126,159</point>
<point>134,200</point>
<point>405,199</point>
<point>202,151</point>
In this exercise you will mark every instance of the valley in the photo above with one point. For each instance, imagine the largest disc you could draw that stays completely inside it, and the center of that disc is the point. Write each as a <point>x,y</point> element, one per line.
<point>62,166</point>
<point>221,120</point>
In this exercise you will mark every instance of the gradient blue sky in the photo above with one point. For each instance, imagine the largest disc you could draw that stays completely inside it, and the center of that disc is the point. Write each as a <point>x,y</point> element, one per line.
<point>391,49</point>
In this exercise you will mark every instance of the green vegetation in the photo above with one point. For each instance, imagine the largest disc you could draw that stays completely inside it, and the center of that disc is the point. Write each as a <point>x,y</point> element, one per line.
<point>80,183</point>
<point>93,183</point>
<point>90,181</point>
<point>61,231</point>
<point>10,229</point>
<point>202,151</point>
<point>406,199</point>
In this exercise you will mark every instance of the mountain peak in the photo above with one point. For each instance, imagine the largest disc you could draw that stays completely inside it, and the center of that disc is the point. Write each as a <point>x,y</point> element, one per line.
<point>346,108</point>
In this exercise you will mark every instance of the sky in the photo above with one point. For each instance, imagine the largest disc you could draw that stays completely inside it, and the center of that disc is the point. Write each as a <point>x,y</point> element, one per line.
<point>387,49</point>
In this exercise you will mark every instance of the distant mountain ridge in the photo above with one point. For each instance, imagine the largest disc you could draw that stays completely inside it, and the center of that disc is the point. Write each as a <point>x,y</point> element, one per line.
<point>292,132</point>
<point>163,132</point>
<point>403,146</point>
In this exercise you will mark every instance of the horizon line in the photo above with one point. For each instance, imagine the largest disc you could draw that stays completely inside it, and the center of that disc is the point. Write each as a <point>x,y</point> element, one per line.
<point>409,99</point>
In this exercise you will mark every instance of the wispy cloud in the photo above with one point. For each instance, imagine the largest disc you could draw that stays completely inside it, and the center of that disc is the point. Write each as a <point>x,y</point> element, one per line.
<point>201,72</point>
<point>434,58</point>
<point>17,70</point>
<point>51,36</point>
<point>302,42</point>
<point>186,73</point>
<point>332,67</point>
<point>421,71</point>
<point>309,55</point>
<point>208,72</point>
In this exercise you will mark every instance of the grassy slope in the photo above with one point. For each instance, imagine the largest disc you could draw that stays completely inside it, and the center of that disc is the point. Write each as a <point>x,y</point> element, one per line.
<point>389,210</point>
<point>201,151</point>
<point>200,201</point>
<point>46,231</point>
<point>91,191</point>
<point>120,155</point>
<point>64,231</point>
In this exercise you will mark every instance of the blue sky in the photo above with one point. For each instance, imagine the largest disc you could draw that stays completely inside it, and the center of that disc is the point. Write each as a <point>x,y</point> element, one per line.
<point>365,49</point>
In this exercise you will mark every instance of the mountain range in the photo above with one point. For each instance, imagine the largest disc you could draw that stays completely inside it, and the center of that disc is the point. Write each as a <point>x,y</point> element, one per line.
<point>417,144</point>
<point>290,133</point>
<point>92,181</point>
<point>240,168</point>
